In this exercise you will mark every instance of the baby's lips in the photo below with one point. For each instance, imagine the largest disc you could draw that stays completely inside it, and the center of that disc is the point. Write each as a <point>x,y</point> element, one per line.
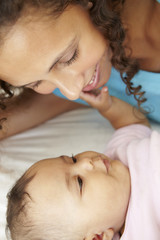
<point>106,163</point>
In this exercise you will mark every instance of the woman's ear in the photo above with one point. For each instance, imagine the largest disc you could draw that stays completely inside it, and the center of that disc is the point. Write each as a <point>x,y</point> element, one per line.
<point>89,5</point>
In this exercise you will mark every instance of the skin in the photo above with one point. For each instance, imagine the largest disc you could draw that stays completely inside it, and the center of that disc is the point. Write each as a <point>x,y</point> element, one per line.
<point>143,32</point>
<point>38,38</point>
<point>27,47</point>
<point>115,110</point>
<point>97,195</point>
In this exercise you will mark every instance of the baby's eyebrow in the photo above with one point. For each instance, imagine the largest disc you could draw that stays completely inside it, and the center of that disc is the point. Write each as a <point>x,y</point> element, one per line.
<point>70,184</point>
<point>67,180</point>
<point>64,158</point>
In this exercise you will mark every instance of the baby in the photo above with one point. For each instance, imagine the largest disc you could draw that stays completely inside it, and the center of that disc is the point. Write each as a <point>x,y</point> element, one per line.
<point>93,195</point>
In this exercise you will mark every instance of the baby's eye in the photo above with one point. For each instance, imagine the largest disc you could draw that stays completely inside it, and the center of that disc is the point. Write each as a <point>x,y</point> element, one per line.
<point>80,182</point>
<point>74,159</point>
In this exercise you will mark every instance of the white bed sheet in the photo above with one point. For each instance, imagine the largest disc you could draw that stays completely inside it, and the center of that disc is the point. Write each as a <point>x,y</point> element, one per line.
<point>70,133</point>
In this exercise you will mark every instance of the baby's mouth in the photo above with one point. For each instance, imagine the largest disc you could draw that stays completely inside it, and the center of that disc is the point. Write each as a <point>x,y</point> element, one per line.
<point>94,80</point>
<point>107,164</point>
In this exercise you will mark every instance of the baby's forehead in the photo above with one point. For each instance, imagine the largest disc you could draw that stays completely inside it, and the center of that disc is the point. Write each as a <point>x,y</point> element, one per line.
<point>44,163</point>
<point>47,173</point>
<point>48,189</point>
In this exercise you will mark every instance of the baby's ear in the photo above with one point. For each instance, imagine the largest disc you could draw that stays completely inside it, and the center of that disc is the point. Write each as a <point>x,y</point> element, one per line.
<point>89,237</point>
<point>107,235</point>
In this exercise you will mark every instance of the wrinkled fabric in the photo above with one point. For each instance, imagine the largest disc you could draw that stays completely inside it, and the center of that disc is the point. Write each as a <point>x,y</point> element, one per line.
<point>138,147</point>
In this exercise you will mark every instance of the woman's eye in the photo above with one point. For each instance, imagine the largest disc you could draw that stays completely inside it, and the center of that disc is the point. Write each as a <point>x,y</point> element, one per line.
<point>73,58</point>
<point>34,85</point>
<point>74,159</point>
<point>80,182</point>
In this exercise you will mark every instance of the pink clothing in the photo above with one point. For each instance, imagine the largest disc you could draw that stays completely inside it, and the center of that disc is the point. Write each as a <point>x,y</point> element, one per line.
<point>138,147</point>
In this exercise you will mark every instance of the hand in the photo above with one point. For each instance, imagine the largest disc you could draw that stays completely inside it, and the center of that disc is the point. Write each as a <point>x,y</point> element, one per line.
<point>100,100</point>
<point>114,109</point>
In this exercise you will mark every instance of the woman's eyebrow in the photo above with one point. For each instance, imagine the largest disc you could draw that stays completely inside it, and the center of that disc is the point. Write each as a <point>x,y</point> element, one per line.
<point>70,46</point>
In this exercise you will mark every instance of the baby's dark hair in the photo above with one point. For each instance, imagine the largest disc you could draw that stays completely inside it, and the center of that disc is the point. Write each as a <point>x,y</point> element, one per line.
<point>106,17</point>
<point>18,202</point>
<point>20,224</point>
<point>25,221</point>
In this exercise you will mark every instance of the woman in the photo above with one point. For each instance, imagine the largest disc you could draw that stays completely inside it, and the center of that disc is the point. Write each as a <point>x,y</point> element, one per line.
<point>72,45</point>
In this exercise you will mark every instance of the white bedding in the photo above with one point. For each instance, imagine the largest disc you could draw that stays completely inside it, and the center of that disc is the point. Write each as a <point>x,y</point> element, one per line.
<point>68,134</point>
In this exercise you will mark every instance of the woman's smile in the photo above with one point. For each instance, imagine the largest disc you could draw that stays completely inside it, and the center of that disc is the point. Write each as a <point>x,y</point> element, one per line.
<point>94,80</point>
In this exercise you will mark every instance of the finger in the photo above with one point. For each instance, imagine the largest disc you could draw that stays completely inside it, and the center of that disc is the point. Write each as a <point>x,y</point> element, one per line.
<point>97,99</point>
<point>105,97</point>
<point>89,97</point>
<point>106,100</point>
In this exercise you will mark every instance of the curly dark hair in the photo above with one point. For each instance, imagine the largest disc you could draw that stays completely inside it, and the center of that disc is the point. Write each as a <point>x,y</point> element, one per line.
<point>106,17</point>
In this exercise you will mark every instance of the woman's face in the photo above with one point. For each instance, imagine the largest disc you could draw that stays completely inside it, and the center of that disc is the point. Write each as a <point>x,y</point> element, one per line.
<point>68,53</point>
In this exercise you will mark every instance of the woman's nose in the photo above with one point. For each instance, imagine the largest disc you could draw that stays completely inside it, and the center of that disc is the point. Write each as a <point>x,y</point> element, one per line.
<point>70,87</point>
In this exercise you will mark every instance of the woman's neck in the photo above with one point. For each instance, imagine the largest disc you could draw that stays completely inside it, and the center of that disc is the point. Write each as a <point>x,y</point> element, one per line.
<point>141,18</point>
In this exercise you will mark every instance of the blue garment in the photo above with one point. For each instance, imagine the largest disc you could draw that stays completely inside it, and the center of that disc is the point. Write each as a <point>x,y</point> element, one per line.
<point>150,83</point>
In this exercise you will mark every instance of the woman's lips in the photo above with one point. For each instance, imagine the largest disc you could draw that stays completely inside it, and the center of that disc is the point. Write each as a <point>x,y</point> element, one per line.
<point>94,80</point>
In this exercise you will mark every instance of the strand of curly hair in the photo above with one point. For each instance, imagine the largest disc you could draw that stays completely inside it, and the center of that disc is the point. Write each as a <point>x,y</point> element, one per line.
<point>106,16</point>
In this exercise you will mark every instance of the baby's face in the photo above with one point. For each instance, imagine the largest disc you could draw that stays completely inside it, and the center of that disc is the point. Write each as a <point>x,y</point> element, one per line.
<point>86,193</point>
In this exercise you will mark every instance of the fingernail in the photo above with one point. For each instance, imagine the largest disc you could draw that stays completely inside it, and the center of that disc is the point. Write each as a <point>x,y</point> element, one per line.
<point>105,89</point>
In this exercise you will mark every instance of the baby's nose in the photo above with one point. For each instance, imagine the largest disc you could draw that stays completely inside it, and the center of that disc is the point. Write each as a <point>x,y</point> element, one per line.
<point>86,163</point>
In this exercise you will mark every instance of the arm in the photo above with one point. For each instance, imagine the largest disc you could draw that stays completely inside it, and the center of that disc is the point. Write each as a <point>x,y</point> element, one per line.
<point>31,109</point>
<point>118,112</point>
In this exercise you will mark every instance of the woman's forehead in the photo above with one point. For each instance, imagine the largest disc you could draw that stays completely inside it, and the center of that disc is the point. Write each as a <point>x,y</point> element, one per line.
<point>38,29</point>
<point>37,41</point>
<point>39,23</point>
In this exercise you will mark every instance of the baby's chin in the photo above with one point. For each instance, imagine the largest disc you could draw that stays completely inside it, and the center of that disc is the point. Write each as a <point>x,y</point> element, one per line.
<point>118,163</point>
<point>120,170</point>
